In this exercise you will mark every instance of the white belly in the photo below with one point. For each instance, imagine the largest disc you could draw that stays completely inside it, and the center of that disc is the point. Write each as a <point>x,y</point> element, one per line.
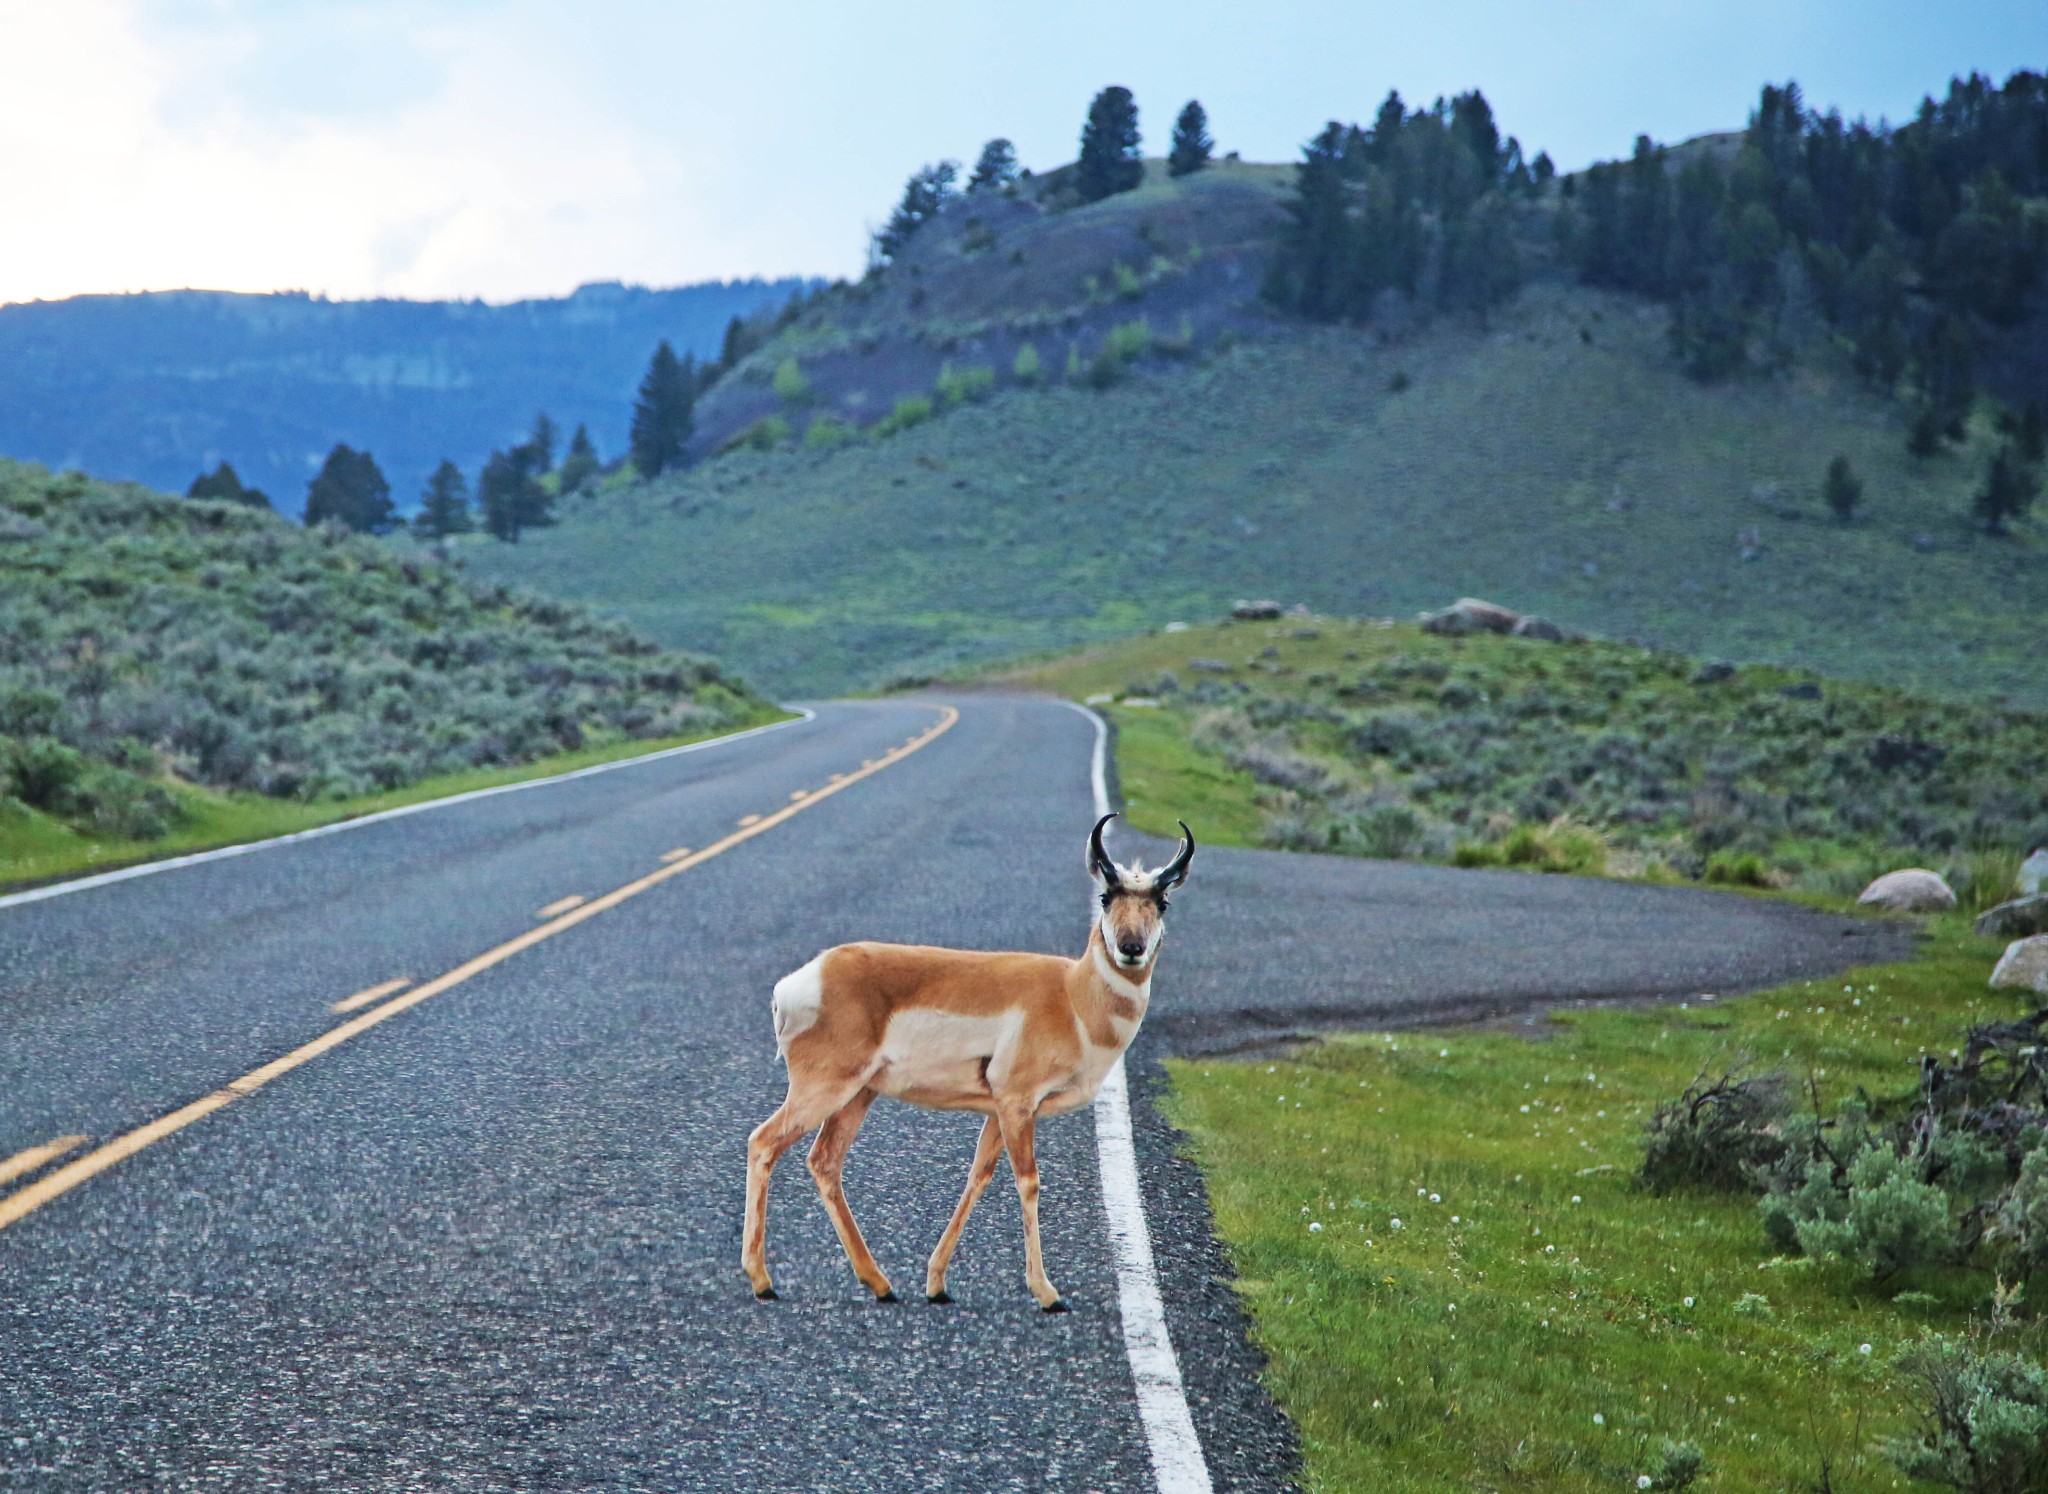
<point>933,1050</point>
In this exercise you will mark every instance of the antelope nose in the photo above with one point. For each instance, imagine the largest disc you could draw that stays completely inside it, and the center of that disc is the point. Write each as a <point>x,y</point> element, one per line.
<point>1131,949</point>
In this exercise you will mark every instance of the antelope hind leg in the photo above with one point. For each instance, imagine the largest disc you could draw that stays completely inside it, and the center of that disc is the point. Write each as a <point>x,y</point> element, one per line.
<point>807,1104</point>
<point>827,1160</point>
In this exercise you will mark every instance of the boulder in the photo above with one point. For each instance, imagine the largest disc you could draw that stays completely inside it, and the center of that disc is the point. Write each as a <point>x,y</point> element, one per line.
<point>1209,666</point>
<point>1541,629</point>
<point>1713,672</point>
<point>2033,875</point>
<point>2021,918</point>
<point>1470,615</point>
<point>1254,611</point>
<point>2024,966</point>
<point>1911,890</point>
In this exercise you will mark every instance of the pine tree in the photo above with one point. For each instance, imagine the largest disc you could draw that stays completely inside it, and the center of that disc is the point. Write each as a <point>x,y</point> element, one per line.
<point>925,196</point>
<point>1191,143</point>
<point>2008,490</point>
<point>1542,170</point>
<point>350,490</point>
<point>1843,489</point>
<point>444,505</point>
<point>581,463</point>
<point>225,484</point>
<point>739,341</point>
<point>542,443</point>
<point>996,167</point>
<point>1311,273</point>
<point>2031,439</point>
<point>1109,147</point>
<point>1924,439</point>
<point>662,416</point>
<point>511,495</point>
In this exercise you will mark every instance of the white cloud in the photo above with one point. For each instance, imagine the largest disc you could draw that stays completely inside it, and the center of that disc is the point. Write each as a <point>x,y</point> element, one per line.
<point>516,147</point>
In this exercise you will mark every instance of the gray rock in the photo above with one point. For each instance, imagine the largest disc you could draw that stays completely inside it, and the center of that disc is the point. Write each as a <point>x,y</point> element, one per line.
<point>2033,875</point>
<point>1542,629</point>
<point>2024,966</point>
<point>1470,615</point>
<point>1912,889</point>
<point>1254,611</point>
<point>1209,666</point>
<point>1713,672</point>
<point>1804,690</point>
<point>2019,919</point>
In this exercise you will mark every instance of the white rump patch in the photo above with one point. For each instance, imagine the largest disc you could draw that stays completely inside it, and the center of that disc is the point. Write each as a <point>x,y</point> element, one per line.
<point>796,1001</point>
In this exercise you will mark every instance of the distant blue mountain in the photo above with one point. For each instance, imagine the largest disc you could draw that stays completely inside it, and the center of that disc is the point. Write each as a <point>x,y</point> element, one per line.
<point>159,386</point>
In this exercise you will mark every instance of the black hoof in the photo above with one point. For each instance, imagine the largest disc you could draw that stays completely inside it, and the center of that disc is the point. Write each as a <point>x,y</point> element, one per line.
<point>1057,1304</point>
<point>938,1299</point>
<point>888,1297</point>
<point>766,1294</point>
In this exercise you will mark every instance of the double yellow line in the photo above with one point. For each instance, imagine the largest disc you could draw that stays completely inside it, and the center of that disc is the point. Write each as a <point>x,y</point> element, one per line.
<point>26,1201</point>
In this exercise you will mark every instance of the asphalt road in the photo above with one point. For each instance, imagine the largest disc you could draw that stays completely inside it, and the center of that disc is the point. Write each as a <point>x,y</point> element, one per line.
<point>492,1242</point>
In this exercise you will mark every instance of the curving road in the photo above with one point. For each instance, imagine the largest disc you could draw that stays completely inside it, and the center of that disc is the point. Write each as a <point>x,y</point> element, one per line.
<point>490,1240</point>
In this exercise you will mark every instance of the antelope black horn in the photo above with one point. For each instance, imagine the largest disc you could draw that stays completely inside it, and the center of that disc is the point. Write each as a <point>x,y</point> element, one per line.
<point>1175,871</point>
<point>1098,859</point>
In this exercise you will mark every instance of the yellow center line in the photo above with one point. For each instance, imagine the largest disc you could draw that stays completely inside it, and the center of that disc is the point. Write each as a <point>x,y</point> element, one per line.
<point>26,1201</point>
<point>369,994</point>
<point>30,1158</point>
<point>561,905</point>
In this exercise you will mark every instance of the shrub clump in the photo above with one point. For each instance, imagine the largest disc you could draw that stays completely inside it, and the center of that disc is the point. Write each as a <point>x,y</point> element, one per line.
<point>1720,1133</point>
<point>911,409</point>
<point>1984,1419</point>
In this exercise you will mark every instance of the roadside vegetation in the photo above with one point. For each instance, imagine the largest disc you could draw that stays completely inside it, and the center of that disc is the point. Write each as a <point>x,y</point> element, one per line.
<point>177,672</point>
<point>1382,739</point>
<point>1448,1247</point>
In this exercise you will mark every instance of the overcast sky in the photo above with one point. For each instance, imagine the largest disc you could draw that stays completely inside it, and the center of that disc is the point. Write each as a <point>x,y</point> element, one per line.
<point>507,148</point>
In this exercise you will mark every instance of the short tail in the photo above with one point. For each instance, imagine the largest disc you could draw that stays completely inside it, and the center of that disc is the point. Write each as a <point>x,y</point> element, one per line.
<point>797,998</point>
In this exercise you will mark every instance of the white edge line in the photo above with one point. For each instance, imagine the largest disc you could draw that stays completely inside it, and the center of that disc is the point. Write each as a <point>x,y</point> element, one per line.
<point>1178,1466</point>
<point>221,853</point>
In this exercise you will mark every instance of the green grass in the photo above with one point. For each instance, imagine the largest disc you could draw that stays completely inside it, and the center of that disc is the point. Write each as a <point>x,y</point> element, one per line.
<point>35,848</point>
<point>1379,739</point>
<point>1473,1347</point>
<point>1592,482</point>
<point>1164,779</point>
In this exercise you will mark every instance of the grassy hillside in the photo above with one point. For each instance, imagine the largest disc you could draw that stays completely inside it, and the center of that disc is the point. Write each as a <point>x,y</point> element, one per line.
<point>1554,459</point>
<point>1384,740</point>
<point>165,665</point>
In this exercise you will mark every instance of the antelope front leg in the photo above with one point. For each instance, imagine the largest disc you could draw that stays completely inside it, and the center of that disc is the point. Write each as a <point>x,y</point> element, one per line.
<point>986,1151</point>
<point>1019,1137</point>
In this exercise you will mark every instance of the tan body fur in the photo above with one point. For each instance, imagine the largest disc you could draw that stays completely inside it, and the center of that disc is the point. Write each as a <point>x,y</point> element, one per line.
<point>1008,1036</point>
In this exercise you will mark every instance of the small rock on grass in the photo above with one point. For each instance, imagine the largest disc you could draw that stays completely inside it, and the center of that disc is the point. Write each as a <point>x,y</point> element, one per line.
<point>2018,919</point>
<point>2024,966</point>
<point>1912,889</point>
<point>1471,615</point>
<point>2033,875</point>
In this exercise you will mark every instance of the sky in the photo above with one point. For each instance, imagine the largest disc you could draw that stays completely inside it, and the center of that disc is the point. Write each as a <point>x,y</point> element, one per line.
<point>510,148</point>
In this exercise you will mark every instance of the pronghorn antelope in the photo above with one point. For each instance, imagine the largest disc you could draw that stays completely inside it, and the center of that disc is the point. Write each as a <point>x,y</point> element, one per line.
<point>1009,1036</point>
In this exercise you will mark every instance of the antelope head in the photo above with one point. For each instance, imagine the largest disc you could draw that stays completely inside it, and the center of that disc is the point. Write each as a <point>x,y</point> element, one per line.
<point>1132,920</point>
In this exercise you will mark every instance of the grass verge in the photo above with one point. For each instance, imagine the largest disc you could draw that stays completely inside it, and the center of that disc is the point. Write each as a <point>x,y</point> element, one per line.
<point>35,848</point>
<point>1536,1319</point>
